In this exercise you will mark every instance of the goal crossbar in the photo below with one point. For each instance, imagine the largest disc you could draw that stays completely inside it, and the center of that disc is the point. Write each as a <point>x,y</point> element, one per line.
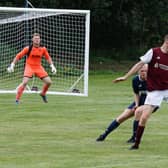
<point>14,9</point>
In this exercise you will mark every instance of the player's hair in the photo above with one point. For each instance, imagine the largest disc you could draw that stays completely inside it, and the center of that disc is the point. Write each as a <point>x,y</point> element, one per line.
<point>36,34</point>
<point>166,37</point>
<point>145,66</point>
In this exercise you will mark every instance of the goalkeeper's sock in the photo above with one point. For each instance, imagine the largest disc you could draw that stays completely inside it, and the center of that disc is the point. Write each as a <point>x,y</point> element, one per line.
<point>45,89</point>
<point>112,127</point>
<point>20,92</point>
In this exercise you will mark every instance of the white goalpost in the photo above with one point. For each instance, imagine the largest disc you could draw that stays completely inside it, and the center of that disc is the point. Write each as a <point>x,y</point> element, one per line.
<point>65,33</point>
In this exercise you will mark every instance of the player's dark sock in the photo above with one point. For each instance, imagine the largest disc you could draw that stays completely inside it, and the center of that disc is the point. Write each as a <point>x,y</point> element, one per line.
<point>139,134</point>
<point>110,128</point>
<point>135,126</point>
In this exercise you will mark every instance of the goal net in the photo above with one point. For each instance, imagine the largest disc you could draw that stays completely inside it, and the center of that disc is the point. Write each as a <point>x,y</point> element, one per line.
<point>65,33</point>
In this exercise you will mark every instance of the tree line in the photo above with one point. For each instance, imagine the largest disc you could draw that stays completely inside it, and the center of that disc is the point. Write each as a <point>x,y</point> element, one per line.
<point>116,25</point>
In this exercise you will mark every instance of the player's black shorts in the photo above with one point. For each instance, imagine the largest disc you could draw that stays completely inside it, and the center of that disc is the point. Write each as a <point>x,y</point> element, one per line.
<point>131,106</point>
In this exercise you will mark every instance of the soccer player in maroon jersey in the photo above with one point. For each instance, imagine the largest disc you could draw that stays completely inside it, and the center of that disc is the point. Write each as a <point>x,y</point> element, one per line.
<point>139,87</point>
<point>157,83</point>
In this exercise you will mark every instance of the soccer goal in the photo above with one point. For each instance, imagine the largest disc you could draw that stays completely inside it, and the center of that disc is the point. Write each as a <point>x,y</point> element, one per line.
<point>65,33</point>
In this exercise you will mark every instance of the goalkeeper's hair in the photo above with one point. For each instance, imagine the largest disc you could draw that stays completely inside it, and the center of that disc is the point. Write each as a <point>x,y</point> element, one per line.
<point>36,34</point>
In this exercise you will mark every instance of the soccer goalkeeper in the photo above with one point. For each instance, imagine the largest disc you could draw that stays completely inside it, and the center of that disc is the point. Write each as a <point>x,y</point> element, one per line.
<point>33,66</point>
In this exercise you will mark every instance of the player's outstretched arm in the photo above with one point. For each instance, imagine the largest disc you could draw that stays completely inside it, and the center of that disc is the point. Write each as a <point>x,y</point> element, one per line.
<point>49,59</point>
<point>132,71</point>
<point>119,79</point>
<point>11,67</point>
<point>18,56</point>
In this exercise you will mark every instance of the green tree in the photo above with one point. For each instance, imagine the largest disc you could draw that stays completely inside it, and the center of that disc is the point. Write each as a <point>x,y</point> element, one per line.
<point>116,24</point>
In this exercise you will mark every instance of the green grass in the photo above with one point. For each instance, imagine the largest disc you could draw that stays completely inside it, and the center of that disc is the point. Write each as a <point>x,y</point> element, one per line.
<point>62,133</point>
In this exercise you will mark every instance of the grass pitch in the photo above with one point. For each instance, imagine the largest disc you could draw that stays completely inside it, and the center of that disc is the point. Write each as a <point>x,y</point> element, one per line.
<point>62,133</point>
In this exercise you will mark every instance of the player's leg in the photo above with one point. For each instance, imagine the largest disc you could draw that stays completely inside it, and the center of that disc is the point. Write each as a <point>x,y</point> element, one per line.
<point>28,73</point>
<point>139,127</point>
<point>125,115</point>
<point>115,123</point>
<point>146,113</point>
<point>152,102</point>
<point>21,88</point>
<point>47,82</point>
<point>43,75</point>
<point>137,114</point>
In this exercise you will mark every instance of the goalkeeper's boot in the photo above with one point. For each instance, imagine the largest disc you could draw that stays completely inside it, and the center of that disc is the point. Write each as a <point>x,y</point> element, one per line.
<point>17,101</point>
<point>44,97</point>
<point>131,140</point>
<point>101,137</point>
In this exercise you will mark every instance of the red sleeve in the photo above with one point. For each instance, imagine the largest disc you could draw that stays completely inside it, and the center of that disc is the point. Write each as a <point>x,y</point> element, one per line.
<point>22,53</point>
<point>46,54</point>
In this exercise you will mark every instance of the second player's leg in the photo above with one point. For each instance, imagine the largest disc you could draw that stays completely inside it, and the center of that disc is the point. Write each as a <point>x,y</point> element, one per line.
<point>137,115</point>
<point>128,113</point>
<point>115,123</point>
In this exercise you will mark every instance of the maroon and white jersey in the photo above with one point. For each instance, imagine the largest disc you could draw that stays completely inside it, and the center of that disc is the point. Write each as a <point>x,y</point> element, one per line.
<point>157,77</point>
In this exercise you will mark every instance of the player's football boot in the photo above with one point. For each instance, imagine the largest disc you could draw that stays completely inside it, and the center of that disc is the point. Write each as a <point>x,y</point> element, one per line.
<point>101,137</point>
<point>44,97</point>
<point>131,140</point>
<point>134,147</point>
<point>17,101</point>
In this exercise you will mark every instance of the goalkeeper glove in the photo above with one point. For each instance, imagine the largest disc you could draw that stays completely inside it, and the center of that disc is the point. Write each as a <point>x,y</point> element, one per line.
<point>11,67</point>
<point>53,69</point>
